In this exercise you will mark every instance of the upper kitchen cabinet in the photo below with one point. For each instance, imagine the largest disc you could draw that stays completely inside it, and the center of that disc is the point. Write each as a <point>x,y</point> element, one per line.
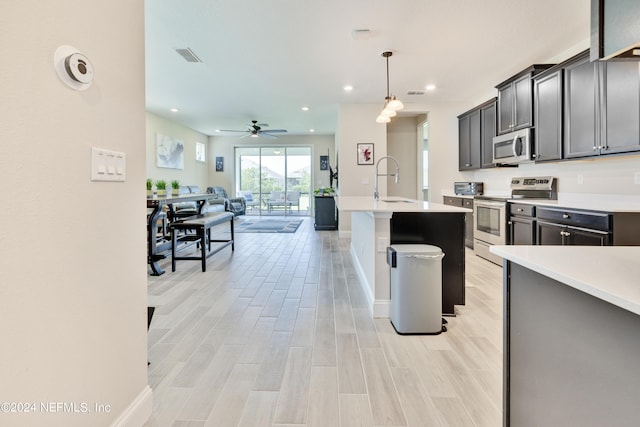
<point>580,106</point>
<point>615,28</point>
<point>515,100</point>
<point>476,129</point>
<point>488,121</point>
<point>469,140</point>
<point>601,107</point>
<point>547,114</point>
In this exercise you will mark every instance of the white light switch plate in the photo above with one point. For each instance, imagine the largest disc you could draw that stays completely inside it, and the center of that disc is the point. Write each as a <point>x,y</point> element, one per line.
<point>107,165</point>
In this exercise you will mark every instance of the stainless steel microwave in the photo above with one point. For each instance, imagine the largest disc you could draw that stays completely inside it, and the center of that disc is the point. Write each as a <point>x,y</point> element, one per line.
<point>513,147</point>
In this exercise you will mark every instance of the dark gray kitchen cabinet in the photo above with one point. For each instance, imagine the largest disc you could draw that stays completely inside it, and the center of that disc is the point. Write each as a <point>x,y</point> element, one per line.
<point>601,107</point>
<point>515,105</point>
<point>580,131</point>
<point>469,140</point>
<point>489,126</point>
<point>615,28</point>
<point>522,224</point>
<point>557,235</point>
<point>547,90</point>
<point>515,100</point>
<point>557,226</point>
<point>620,109</point>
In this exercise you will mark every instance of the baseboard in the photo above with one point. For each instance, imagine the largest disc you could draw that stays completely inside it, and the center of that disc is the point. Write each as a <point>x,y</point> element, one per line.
<point>138,411</point>
<point>382,308</point>
<point>344,234</point>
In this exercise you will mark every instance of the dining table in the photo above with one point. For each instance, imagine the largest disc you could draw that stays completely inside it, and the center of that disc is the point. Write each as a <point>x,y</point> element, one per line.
<point>159,247</point>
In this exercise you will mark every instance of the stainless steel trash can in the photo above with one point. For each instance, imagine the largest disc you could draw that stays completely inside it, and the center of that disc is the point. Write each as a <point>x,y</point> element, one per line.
<point>416,288</point>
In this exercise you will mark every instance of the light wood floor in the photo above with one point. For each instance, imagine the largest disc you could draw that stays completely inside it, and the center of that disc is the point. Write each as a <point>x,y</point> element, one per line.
<point>278,334</point>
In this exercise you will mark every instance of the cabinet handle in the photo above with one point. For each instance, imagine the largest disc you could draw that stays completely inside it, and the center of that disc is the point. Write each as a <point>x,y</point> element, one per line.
<point>595,148</point>
<point>467,164</point>
<point>565,216</point>
<point>520,210</point>
<point>533,156</point>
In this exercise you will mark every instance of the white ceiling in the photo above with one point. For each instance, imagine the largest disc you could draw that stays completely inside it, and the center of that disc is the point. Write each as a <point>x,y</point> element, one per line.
<point>264,60</point>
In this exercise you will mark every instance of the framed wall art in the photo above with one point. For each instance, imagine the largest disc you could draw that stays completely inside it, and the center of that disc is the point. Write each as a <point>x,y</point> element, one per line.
<point>365,154</point>
<point>219,164</point>
<point>324,163</point>
<point>170,152</point>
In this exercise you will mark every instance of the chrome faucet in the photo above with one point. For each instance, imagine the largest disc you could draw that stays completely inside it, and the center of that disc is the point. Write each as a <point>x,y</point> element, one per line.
<point>396,175</point>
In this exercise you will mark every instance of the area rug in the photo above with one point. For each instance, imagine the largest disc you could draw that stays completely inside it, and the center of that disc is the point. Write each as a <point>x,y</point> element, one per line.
<point>268,226</point>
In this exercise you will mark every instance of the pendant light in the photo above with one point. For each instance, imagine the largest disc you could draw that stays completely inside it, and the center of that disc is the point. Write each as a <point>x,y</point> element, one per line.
<point>391,104</point>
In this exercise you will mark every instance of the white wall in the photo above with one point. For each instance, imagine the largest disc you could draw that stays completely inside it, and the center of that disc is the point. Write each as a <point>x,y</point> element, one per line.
<point>73,275</point>
<point>402,138</point>
<point>356,124</point>
<point>194,172</point>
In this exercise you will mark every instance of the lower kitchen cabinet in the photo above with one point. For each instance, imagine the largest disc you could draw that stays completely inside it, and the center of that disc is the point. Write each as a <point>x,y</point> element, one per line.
<point>546,225</point>
<point>558,234</point>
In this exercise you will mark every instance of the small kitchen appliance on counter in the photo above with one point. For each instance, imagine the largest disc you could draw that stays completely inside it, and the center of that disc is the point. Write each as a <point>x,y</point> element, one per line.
<point>468,188</point>
<point>490,212</point>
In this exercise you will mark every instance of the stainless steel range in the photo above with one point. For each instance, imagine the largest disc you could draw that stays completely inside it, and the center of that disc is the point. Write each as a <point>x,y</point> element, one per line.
<point>490,212</point>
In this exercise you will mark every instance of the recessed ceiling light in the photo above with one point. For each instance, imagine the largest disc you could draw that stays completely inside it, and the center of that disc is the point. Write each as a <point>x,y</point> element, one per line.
<point>305,108</point>
<point>312,130</point>
<point>430,87</point>
<point>348,88</point>
<point>174,110</point>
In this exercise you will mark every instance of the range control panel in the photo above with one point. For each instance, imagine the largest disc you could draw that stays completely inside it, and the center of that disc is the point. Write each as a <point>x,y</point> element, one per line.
<point>533,183</point>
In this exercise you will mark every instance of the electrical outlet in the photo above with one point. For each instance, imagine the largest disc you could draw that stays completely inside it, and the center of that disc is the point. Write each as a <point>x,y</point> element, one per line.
<point>580,179</point>
<point>636,178</point>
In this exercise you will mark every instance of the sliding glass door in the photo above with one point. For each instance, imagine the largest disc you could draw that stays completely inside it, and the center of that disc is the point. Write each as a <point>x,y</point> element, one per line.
<point>274,180</point>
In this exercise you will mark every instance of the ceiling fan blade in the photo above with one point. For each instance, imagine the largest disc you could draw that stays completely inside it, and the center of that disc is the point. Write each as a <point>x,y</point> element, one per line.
<point>275,130</point>
<point>244,136</point>
<point>223,130</point>
<point>267,135</point>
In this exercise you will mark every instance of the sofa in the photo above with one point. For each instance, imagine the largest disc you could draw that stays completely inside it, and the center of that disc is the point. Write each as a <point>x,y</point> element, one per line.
<point>186,209</point>
<point>236,205</point>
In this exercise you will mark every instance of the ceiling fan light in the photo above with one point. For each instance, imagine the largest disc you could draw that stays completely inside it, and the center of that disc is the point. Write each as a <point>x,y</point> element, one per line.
<point>395,104</point>
<point>254,135</point>
<point>382,119</point>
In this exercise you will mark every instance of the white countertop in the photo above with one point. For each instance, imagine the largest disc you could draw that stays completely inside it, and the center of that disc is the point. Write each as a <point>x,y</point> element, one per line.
<point>387,204</point>
<point>448,193</point>
<point>610,273</point>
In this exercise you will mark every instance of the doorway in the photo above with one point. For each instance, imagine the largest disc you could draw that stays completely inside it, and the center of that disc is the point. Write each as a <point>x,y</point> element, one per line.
<point>274,180</point>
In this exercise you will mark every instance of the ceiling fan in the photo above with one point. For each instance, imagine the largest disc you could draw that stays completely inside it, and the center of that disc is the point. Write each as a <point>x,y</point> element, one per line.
<point>255,130</point>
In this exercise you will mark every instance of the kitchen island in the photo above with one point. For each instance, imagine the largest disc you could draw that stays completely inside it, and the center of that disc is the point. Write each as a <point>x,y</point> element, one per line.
<point>376,224</point>
<point>571,335</point>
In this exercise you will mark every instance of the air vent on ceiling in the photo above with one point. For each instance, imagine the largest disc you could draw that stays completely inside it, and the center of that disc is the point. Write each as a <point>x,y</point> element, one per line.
<point>188,55</point>
<point>415,92</point>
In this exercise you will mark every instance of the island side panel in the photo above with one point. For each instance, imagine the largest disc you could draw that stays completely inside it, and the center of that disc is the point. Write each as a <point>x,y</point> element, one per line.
<point>572,358</point>
<point>363,251</point>
<point>442,229</point>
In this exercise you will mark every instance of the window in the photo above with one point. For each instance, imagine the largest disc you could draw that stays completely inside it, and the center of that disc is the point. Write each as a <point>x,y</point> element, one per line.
<point>201,155</point>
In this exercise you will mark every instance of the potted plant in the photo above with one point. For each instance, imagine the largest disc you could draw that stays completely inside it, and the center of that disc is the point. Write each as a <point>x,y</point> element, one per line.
<point>161,186</point>
<point>149,187</point>
<point>324,191</point>
<point>175,185</point>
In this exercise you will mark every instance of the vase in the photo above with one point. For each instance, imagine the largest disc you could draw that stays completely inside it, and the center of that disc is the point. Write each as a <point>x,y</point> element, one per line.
<point>162,193</point>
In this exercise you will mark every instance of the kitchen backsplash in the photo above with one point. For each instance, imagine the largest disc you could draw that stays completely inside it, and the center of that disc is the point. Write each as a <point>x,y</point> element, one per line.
<point>611,176</point>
